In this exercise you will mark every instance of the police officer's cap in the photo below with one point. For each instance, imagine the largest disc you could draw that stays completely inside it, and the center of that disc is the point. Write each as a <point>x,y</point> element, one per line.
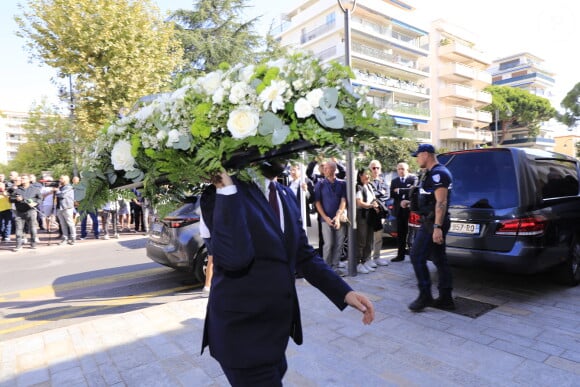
<point>423,148</point>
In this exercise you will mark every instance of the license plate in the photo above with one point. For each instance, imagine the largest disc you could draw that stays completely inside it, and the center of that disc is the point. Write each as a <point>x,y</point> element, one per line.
<point>157,227</point>
<point>464,228</point>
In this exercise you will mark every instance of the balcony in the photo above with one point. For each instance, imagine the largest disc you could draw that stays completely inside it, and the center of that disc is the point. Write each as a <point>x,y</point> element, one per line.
<point>484,117</point>
<point>400,62</point>
<point>383,81</point>
<point>316,32</point>
<point>386,33</point>
<point>455,91</point>
<point>457,72</point>
<point>483,97</point>
<point>459,112</point>
<point>462,53</point>
<point>465,134</point>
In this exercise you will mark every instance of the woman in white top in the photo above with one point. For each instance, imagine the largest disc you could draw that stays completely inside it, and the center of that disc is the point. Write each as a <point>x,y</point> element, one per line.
<point>365,203</point>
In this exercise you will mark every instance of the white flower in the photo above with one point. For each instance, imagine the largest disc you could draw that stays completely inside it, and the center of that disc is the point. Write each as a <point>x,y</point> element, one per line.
<point>121,157</point>
<point>314,97</point>
<point>238,92</point>
<point>161,135</point>
<point>246,73</point>
<point>273,94</point>
<point>298,84</point>
<point>211,82</point>
<point>144,113</point>
<point>172,136</point>
<point>303,108</point>
<point>218,97</point>
<point>243,122</point>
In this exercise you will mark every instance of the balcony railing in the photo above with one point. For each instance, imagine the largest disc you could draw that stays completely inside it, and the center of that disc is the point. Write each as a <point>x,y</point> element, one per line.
<point>328,53</point>
<point>382,55</point>
<point>386,32</point>
<point>387,81</point>
<point>316,32</point>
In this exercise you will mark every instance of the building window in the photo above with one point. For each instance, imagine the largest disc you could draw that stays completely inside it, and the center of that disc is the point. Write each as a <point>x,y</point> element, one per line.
<point>331,18</point>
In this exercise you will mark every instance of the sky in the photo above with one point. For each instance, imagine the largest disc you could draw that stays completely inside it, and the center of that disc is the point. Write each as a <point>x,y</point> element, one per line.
<point>500,28</point>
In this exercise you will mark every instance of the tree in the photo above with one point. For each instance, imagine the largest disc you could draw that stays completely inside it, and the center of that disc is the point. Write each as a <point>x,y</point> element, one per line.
<point>213,33</point>
<point>571,104</point>
<point>115,50</point>
<point>519,107</point>
<point>49,144</point>
<point>390,151</point>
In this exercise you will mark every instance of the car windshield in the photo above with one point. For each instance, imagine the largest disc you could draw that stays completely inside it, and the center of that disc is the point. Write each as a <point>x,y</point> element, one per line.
<point>482,179</point>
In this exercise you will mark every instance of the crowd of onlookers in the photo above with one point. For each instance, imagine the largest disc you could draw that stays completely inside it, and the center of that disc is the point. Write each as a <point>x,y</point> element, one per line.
<point>325,194</point>
<point>28,205</point>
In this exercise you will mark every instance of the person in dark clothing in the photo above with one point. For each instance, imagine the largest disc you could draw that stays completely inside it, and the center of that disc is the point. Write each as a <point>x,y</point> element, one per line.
<point>400,187</point>
<point>258,245</point>
<point>25,198</point>
<point>431,203</point>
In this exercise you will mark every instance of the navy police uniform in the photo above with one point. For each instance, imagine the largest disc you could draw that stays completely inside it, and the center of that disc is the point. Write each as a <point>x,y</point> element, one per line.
<point>423,246</point>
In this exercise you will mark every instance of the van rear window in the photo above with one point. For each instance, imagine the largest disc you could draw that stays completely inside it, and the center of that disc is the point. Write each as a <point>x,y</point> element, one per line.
<point>556,178</point>
<point>482,180</point>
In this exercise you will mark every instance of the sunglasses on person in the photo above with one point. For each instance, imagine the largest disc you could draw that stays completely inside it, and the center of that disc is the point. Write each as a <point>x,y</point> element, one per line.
<point>375,167</point>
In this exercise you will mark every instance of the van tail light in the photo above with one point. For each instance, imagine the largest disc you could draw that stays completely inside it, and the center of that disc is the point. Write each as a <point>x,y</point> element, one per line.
<point>414,219</point>
<point>172,222</point>
<point>532,225</point>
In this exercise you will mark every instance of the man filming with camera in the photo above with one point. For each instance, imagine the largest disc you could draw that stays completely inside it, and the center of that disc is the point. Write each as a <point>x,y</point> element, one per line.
<point>25,198</point>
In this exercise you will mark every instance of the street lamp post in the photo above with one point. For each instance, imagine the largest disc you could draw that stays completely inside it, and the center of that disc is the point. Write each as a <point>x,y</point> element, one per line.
<point>348,7</point>
<point>71,107</point>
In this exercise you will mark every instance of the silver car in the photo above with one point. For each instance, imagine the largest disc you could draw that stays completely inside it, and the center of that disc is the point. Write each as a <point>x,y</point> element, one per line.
<point>174,241</point>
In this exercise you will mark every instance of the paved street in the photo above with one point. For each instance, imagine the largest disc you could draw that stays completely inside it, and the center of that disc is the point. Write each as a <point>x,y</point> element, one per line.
<point>532,338</point>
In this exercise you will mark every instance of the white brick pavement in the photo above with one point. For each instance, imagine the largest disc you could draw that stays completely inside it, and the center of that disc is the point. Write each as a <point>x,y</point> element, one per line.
<point>532,339</point>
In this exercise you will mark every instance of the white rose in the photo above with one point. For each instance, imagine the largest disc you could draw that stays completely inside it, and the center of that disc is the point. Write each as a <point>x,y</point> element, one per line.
<point>243,122</point>
<point>238,93</point>
<point>303,108</point>
<point>211,82</point>
<point>121,156</point>
<point>314,97</point>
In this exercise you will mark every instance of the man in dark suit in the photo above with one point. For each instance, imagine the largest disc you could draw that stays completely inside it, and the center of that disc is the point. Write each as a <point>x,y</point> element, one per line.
<point>400,186</point>
<point>253,306</point>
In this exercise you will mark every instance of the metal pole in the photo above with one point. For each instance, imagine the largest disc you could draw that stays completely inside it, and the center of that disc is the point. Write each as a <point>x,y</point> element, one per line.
<point>495,133</point>
<point>350,169</point>
<point>73,130</point>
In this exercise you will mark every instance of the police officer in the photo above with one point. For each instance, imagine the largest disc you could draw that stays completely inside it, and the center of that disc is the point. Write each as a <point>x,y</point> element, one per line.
<point>431,203</point>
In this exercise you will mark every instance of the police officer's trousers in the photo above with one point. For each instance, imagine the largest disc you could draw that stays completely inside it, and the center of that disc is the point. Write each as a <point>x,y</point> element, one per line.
<point>423,249</point>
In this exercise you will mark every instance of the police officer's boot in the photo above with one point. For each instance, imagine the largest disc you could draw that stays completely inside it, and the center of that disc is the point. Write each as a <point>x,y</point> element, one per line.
<point>445,300</point>
<point>424,300</point>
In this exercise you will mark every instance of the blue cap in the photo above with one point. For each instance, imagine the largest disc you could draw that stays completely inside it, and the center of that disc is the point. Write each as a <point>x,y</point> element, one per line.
<point>423,148</point>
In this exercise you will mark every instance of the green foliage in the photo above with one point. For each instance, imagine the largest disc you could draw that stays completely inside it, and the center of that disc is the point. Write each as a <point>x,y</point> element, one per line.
<point>390,151</point>
<point>571,104</point>
<point>224,114</point>
<point>213,33</point>
<point>115,50</point>
<point>527,109</point>
<point>49,144</point>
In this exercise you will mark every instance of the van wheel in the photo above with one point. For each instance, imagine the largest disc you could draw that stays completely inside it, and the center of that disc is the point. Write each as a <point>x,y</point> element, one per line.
<point>200,264</point>
<point>568,273</point>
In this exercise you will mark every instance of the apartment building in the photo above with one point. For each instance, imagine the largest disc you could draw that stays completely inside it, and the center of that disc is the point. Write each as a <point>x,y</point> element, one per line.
<point>389,53</point>
<point>527,72</point>
<point>458,77</point>
<point>12,134</point>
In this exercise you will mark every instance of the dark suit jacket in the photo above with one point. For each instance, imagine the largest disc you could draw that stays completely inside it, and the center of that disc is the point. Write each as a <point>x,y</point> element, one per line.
<point>403,194</point>
<point>253,307</point>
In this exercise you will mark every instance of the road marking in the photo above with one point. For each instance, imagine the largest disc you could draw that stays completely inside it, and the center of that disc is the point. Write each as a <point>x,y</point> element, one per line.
<point>99,306</point>
<point>53,290</point>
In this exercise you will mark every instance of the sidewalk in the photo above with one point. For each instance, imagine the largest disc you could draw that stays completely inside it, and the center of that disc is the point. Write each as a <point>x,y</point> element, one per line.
<point>532,338</point>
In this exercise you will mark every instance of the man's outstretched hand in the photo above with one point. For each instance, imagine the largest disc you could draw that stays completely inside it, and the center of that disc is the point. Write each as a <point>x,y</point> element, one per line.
<point>363,304</point>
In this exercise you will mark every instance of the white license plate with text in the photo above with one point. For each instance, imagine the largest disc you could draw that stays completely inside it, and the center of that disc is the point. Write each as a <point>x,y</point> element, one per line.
<point>464,228</point>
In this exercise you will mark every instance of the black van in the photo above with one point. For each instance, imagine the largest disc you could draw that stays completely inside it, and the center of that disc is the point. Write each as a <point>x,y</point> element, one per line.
<point>516,209</point>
